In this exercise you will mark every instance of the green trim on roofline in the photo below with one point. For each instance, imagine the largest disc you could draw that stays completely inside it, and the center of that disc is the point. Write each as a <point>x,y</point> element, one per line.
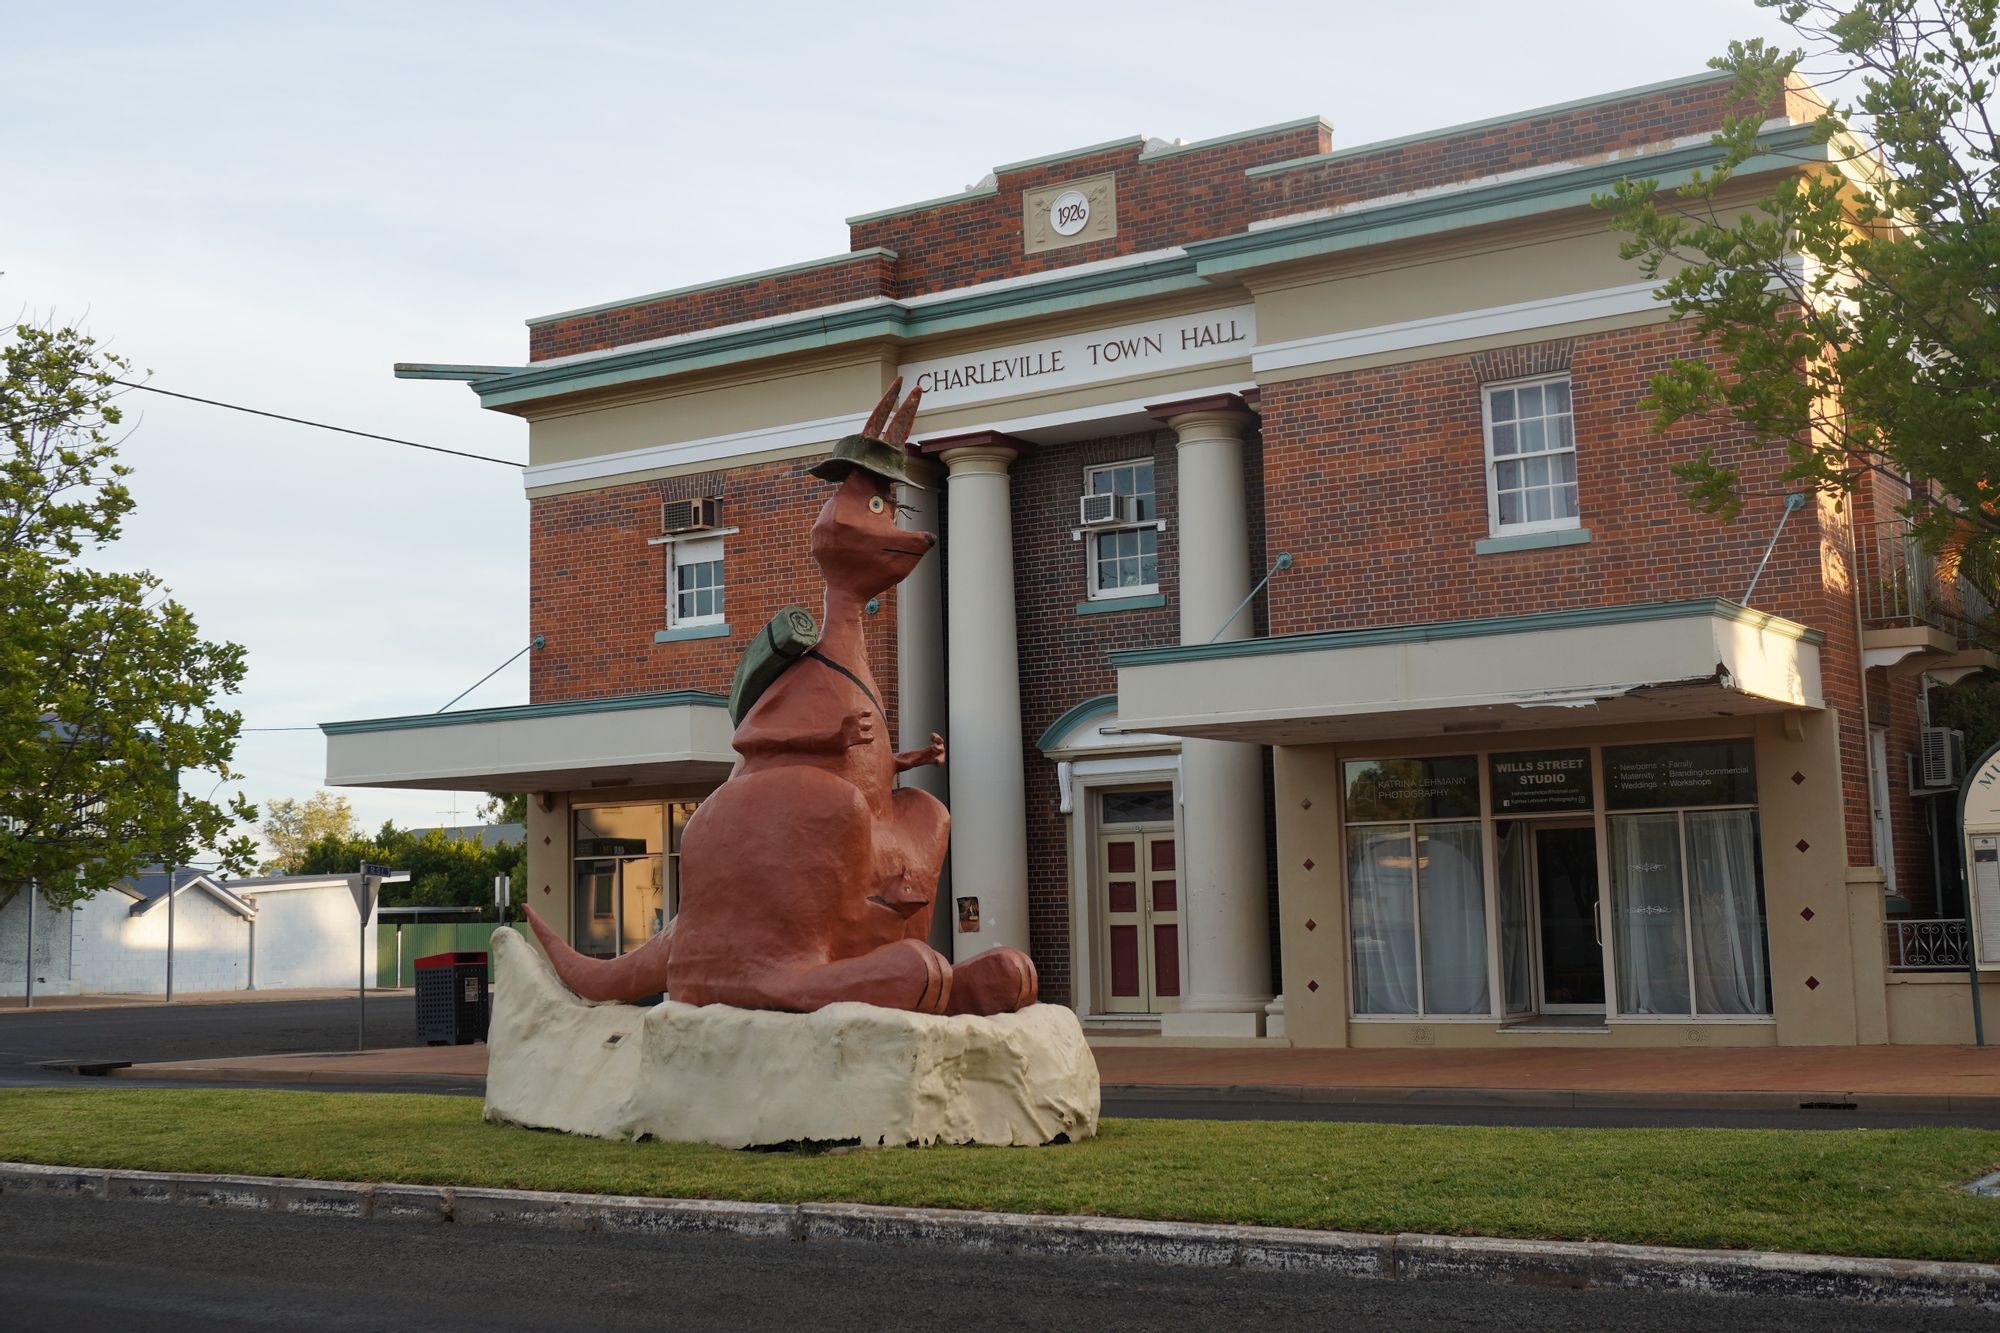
<point>884,319</point>
<point>803,266</point>
<point>1217,261</point>
<point>1602,99</point>
<point>526,712</point>
<point>1154,154</point>
<point>1089,708</point>
<point>1047,158</point>
<point>976,192</point>
<point>1451,209</point>
<point>431,370</point>
<point>1594,617</point>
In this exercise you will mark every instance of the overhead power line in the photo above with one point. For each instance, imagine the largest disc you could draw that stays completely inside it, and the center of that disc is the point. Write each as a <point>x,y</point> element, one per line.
<point>318,425</point>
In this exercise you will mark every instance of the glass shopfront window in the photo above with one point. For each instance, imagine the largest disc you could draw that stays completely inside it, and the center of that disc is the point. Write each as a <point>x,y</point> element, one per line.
<point>1416,886</point>
<point>1687,887</point>
<point>1626,883</point>
<point>626,874</point>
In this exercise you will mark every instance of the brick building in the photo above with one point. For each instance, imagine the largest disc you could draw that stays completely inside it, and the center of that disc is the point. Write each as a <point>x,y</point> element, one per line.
<point>1324,647</point>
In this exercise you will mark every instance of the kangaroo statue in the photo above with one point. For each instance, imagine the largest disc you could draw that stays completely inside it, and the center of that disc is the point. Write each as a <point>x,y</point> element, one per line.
<point>808,878</point>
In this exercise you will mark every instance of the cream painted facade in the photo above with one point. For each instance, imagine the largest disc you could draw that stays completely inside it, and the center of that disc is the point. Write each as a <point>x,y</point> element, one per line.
<point>1245,739</point>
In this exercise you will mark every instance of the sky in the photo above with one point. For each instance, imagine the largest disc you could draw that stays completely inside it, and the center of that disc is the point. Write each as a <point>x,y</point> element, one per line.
<point>272,204</point>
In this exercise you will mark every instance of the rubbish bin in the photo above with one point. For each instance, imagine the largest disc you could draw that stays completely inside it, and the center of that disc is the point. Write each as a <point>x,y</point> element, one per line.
<point>451,999</point>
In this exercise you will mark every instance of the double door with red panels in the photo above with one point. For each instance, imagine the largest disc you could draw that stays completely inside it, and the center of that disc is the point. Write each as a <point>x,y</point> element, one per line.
<point>1139,910</point>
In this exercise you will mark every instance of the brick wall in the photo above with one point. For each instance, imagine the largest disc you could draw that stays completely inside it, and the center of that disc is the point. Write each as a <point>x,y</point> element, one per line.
<point>1375,482</point>
<point>1162,201</point>
<point>1062,654</point>
<point>597,591</point>
<point>1560,136</point>
<point>852,278</point>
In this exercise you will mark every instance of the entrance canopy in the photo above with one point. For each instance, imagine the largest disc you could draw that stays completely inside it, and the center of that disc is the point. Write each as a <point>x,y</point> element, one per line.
<point>1652,662</point>
<point>677,738</point>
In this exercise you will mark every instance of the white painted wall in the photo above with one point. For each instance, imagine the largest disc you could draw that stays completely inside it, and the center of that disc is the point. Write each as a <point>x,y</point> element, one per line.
<point>116,952</point>
<point>307,937</point>
<point>52,949</point>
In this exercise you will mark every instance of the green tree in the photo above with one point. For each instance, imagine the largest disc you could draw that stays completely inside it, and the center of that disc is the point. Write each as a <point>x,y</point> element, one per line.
<point>444,871</point>
<point>108,692</point>
<point>1855,303</point>
<point>291,826</point>
<point>504,807</point>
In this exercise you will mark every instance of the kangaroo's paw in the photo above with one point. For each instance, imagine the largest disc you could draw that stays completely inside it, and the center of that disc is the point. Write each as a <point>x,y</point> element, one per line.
<point>998,981</point>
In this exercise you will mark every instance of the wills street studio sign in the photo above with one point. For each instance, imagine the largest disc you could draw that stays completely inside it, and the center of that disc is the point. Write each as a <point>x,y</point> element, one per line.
<point>1088,357</point>
<point>1545,780</point>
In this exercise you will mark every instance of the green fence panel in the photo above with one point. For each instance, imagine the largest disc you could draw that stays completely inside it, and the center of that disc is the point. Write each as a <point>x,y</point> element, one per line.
<point>421,939</point>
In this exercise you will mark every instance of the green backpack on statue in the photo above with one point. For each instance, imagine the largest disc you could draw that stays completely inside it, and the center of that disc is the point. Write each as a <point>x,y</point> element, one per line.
<point>791,634</point>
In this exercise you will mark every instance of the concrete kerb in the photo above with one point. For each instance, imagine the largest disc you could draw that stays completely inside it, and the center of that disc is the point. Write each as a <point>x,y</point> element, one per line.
<point>1405,1257</point>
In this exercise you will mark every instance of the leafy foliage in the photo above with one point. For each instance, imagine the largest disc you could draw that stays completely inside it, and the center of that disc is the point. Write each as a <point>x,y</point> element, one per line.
<point>107,689</point>
<point>1855,302</point>
<point>290,827</point>
<point>444,872</point>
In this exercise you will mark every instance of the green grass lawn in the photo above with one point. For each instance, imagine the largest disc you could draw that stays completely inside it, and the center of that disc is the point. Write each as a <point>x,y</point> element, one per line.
<point>1870,1192</point>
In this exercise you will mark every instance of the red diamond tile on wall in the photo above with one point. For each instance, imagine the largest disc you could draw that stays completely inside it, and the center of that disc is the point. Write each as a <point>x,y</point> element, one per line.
<point>1311,924</point>
<point>1312,985</point>
<point>1802,844</point>
<point>1309,863</point>
<point>1806,914</point>
<point>547,889</point>
<point>545,840</point>
<point>1812,983</point>
<point>1305,802</point>
<point>1798,779</point>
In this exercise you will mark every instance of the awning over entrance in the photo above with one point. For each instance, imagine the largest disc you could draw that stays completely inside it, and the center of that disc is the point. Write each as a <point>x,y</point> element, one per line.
<point>1646,663</point>
<point>639,739</point>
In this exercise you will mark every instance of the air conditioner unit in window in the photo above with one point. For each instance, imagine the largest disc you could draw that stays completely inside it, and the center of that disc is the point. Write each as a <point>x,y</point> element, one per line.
<point>1940,757</point>
<point>691,515</point>
<point>1098,511</point>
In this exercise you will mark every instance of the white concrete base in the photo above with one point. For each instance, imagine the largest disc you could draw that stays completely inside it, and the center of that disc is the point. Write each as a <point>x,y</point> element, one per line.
<point>1212,1024</point>
<point>741,1078</point>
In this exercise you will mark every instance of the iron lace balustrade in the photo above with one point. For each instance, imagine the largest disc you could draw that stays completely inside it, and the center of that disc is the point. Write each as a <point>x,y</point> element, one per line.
<point>1932,944</point>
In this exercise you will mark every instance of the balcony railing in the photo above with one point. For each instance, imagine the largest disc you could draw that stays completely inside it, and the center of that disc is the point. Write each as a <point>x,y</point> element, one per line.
<point>1903,584</point>
<point>1938,944</point>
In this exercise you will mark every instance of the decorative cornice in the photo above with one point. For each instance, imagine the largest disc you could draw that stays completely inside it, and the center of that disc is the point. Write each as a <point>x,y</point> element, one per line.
<point>1220,402</point>
<point>976,439</point>
<point>1062,726</point>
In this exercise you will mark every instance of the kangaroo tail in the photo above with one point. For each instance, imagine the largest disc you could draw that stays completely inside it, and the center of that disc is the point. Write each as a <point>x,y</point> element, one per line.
<point>623,979</point>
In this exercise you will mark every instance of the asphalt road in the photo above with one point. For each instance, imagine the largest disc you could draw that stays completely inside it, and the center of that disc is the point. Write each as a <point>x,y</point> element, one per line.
<point>30,1041</point>
<point>68,1264</point>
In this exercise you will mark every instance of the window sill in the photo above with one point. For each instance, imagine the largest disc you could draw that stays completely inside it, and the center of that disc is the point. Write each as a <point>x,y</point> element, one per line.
<point>1106,605</point>
<point>1532,541</point>
<point>683,633</point>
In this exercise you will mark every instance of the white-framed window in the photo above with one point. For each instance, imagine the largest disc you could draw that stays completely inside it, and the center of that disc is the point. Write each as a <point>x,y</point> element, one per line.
<point>1125,561</point>
<point>694,582</point>
<point>1530,457</point>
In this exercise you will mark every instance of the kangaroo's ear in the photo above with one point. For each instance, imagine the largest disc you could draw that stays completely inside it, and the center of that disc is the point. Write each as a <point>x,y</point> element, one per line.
<point>877,418</point>
<point>906,415</point>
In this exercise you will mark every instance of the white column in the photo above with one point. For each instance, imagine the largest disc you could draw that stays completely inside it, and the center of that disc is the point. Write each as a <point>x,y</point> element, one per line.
<point>1222,782</point>
<point>920,693</point>
<point>989,808</point>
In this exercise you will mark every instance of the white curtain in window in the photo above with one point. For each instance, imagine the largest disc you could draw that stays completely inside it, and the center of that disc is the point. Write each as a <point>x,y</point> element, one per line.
<point>1729,967</point>
<point>1454,919</point>
<point>1516,959</point>
<point>1650,922</point>
<point>1381,900</point>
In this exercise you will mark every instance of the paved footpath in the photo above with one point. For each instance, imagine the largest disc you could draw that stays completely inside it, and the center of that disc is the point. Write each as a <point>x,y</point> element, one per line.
<point>1935,1079</point>
<point>15,1004</point>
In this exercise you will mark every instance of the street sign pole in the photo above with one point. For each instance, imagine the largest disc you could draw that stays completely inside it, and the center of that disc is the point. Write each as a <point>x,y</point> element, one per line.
<point>30,992</point>
<point>366,884</point>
